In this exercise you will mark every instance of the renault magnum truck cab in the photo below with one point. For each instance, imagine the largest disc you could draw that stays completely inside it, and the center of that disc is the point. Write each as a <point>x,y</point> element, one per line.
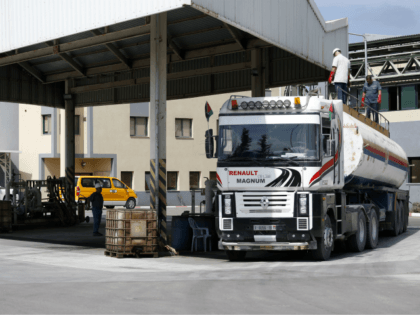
<point>300,173</point>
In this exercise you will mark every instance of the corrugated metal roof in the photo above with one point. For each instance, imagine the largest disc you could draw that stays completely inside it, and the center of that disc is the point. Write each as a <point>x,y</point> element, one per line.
<point>296,49</point>
<point>27,22</point>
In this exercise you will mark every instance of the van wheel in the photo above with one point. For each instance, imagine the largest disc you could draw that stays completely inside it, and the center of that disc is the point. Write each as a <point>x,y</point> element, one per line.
<point>324,243</point>
<point>110,207</point>
<point>131,203</point>
<point>235,255</point>
<point>372,231</point>
<point>357,241</point>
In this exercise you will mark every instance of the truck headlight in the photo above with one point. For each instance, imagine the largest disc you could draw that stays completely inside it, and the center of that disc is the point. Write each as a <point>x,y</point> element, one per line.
<point>228,208</point>
<point>303,201</point>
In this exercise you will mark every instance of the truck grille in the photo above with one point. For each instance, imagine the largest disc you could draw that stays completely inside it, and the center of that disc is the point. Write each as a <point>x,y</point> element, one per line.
<point>227,224</point>
<point>259,204</point>
<point>302,224</point>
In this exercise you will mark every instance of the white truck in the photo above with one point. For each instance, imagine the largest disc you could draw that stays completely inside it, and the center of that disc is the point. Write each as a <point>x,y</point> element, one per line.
<point>299,173</point>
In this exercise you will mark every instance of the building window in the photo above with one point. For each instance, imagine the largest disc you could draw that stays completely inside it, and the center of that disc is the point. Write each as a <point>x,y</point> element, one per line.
<point>213,176</point>
<point>385,100</point>
<point>414,170</point>
<point>172,180</point>
<point>194,180</point>
<point>46,124</point>
<point>183,128</point>
<point>408,97</point>
<point>147,178</point>
<point>77,124</point>
<point>127,178</point>
<point>138,126</point>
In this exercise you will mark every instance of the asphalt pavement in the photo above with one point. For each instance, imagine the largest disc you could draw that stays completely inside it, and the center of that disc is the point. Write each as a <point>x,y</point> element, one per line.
<point>54,272</point>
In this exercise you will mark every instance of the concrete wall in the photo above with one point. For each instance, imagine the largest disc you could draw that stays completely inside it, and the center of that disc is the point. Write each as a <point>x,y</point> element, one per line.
<point>9,134</point>
<point>33,142</point>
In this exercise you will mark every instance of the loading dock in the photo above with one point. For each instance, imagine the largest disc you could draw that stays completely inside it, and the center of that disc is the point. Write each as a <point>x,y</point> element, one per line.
<point>166,50</point>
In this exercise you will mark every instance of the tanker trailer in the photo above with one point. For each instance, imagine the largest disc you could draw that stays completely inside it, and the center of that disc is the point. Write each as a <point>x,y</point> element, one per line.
<point>296,173</point>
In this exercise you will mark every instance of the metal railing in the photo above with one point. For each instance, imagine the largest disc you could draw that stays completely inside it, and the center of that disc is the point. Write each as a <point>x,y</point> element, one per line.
<point>382,121</point>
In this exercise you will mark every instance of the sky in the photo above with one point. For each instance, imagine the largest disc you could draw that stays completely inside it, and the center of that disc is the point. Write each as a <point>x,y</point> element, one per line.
<point>385,17</point>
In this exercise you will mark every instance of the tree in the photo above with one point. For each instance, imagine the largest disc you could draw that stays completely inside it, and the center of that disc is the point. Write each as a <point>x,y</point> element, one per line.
<point>245,143</point>
<point>265,149</point>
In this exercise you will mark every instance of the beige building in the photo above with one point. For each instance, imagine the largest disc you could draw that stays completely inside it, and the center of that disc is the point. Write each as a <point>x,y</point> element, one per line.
<point>114,141</point>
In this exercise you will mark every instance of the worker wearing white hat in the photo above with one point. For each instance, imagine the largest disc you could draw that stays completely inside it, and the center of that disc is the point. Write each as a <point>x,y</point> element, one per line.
<point>341,74</point>
<point>97,202</point>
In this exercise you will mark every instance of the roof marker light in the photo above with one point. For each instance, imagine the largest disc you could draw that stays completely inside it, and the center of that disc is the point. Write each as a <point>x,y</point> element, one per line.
<point>280,104</point>
<point>251,105</point>
<point>287,103</point>
<point>272,104</point>
<point>244,105</point>
<point>266,104</point>
<point>234,104</point>
<point>258,105</point>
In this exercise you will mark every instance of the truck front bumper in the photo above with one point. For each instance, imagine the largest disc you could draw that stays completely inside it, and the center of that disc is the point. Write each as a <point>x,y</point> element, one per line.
<point>277,246</point>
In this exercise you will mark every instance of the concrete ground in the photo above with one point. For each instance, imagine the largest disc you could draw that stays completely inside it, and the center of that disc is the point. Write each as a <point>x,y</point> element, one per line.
<point>57,271</point>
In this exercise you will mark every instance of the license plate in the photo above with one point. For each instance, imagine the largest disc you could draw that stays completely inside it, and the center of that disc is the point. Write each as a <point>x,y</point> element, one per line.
<point>264,227</point>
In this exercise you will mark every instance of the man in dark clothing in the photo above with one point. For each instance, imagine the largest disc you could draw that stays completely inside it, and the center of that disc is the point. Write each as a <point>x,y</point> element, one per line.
<point>372,96</point>
<point>97,202</point>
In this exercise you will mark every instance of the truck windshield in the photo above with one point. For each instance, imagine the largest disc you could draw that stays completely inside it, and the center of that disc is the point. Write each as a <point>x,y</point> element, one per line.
<point>269,142</point>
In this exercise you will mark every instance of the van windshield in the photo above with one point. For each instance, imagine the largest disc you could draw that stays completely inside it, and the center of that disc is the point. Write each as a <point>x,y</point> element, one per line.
<point>269,142</point>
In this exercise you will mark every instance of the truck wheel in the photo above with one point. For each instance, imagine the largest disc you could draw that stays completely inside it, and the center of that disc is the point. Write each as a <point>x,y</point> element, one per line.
<point>235,255</point>
<point>372,231</point>
<point>131,204</point>
<point>402,221</point>
<point>324,243</point>
<point>396,224</point>
<point>405,220</point>
<point>357,241</point>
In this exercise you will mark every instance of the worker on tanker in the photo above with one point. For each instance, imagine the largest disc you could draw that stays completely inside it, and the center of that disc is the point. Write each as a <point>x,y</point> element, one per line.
<point>372,97</point>
<point>97,202</point>
<point>340,73</point>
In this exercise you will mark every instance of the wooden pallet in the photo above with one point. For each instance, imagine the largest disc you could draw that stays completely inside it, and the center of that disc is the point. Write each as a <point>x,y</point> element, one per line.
<point>122,255</point>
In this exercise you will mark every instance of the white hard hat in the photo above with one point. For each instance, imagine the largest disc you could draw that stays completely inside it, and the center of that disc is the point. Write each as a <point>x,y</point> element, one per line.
<point>337,49</point>
<point>98,185</point>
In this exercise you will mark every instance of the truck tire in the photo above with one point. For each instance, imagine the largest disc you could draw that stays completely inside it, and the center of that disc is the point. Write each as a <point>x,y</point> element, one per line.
<point>396,225</point>
<point>357,241</point>
<point>372,237</point>
<point>402,220</point>
<point>324,243</point>
<point>405,220</point>
<point>234,255</point>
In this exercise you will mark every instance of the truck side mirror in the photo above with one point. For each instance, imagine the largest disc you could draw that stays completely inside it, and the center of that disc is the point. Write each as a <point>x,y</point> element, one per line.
<point>330,147</point>
<point>209,144</point>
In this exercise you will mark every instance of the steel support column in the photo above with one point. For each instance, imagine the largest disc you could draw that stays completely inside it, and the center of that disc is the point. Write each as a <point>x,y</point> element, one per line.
<point>257,72</point>
<point>158,51</point>
<point>6,165</point>
<point>69,155</point>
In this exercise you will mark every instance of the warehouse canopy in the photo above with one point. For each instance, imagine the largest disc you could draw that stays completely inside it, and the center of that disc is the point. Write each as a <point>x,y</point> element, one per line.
<point>103,47</point>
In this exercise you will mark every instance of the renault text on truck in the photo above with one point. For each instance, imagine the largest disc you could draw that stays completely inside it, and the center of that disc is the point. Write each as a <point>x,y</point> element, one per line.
<point>299,173</point>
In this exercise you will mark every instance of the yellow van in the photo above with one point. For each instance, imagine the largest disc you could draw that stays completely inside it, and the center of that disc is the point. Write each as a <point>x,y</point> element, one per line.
<point>114,191</point>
